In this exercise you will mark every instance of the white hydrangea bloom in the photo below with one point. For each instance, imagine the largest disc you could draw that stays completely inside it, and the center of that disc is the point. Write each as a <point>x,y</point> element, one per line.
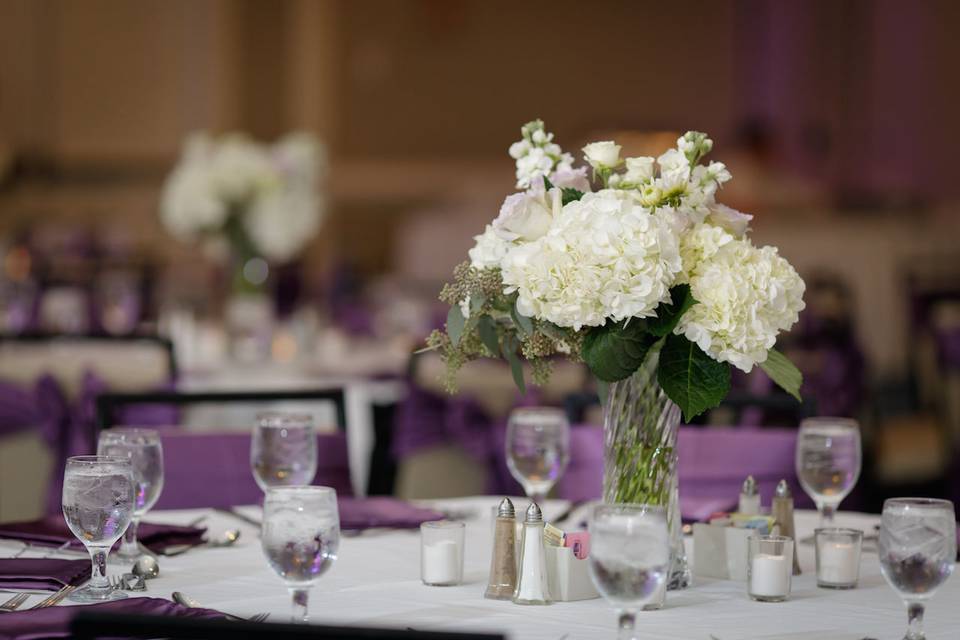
<point>604,257</point>
<point>489,249</point>
<point>699,243</point>
<point>281,222</point>
<point>746,296</point>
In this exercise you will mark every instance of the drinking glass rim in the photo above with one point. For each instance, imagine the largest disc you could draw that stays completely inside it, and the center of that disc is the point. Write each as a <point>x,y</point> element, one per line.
<point>95,459</point>
<point>838,531</point>
<point>918,502</point>
<point>282,419</point>
<point>525,415</point>
<point>443,524</point>
<point>301,489</point>
<point>770,538</point>
<point>147,432</point>
<point>629,508</point>
<point>831,421</point>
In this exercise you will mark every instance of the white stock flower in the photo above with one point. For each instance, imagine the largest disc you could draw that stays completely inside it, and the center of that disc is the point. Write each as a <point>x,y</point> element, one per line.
<point>519,149</point>
<point>602,155</point>
<point>745,297</point>
<point>604,257</point>
<point>281,222</point>
<point>639,169</point>
<point>488,250</point>
<point>568,178</point>
<point>532,167</point>
<point>730,219</point>
<point>674,167</point>
<point>527,215</point>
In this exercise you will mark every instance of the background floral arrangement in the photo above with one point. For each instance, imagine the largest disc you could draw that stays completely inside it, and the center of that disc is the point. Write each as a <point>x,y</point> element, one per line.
<point>263,199</point>
<point>649,261</point>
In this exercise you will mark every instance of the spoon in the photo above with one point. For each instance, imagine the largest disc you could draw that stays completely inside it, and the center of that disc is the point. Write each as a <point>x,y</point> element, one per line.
<point>147,567</point>
<point>226,539</point>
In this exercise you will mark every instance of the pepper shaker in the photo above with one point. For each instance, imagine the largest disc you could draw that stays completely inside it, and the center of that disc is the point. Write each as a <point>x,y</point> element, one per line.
<point>532,581</point>
<point>782,512</point>
<point>749,498</point>
<point>503,561</point>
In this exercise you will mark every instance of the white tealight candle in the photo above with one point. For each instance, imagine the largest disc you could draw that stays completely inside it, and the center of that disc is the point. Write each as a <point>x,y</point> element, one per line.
<point>839,563</point>
<point>769,575</point>
<point>441,562</point>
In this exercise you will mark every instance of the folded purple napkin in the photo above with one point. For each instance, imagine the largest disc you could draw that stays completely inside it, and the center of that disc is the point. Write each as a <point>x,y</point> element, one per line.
<point>53,531</point>
<point>367,513</point>
<point>42,573</point>
<point>54,622</point>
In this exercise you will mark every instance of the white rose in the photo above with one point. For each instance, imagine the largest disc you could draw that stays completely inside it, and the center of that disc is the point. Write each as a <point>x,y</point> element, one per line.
<point>527,216</point>
<point>602,155</point>
<point>639,169</point>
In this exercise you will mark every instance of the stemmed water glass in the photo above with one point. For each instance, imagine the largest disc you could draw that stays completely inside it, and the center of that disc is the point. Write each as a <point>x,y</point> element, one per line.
<point>629,557</point>
<point>300,538</point>
<point>538,448</point>
<point>828,462</point>
<point>98,504</point>
<point>142,447</point>
<point>284,450</point>
<point>918,548</point>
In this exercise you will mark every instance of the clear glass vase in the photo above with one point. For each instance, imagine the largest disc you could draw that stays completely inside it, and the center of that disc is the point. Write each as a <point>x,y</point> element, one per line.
<point>640,425</point>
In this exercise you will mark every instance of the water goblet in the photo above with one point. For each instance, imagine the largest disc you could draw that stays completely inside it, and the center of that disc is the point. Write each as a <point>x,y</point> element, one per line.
<point>828,462</point>
<point>538,448</point>
<point>142,447</point>
<point>629,557</point>
<point>300,537</point>
<point>918,548</point>
<point>284,450</point>
<point>98,504</point>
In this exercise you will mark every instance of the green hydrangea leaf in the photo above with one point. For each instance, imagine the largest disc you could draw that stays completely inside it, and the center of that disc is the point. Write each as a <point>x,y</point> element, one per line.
<point>669,313</point>
<point>691,378</point>
<point>613,352</point>
<point>455,324</point>
<point>783,372</point>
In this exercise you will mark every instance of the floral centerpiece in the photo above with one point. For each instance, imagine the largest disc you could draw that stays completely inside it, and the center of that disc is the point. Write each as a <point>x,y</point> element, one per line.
<point>263,201</point>
<point>631,266</point>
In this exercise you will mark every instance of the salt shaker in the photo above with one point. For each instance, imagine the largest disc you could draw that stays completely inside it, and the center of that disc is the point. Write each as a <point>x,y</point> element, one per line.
<point>503,562</point>
<point>749,498</point>
<point>532,582</point>
<point>782,512</point>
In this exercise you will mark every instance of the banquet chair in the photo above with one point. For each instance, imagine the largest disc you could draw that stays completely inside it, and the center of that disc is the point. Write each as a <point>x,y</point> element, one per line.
<point>212,468</point>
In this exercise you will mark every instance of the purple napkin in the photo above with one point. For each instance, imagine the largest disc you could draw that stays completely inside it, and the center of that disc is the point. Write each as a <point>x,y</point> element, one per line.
<point>54,622</point>
<point>366,513</point>
<point>53,531</point>
<point>42,573</point>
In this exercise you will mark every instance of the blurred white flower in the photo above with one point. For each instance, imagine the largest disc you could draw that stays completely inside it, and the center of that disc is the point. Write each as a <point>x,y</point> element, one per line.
<point>488,250</point>
<point>745,297</point>
<point>239,167</point>
<point>300,159</point>
<point>189,204</point>
<point>604,257</point>
<point>602,155</point>
<point>281,222</point>
<point>527,216</point>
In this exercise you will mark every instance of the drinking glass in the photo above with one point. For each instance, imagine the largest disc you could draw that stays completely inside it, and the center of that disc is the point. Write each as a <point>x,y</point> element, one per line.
<point>828,462</point>
<point>98,499</point>
<point>629,557</point>
<point>918,548</point>
<point>300,537</point>
<point>142,447</point>
<point>284,450</point>
<point>538,448</point>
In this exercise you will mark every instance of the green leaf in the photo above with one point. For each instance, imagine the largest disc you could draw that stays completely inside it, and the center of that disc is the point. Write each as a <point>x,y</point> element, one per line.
<point>524,323</point>
<point>603,390</point>
<point>509,350</point>
<point>488,334</point>
<point>783,372</point>
<point>613,352</point>
<point>669,314</point>
<point>569,194</point>
<point>690,377</point>
<point>476,303</point>
<point>455,324</point>
<point>547,185</point>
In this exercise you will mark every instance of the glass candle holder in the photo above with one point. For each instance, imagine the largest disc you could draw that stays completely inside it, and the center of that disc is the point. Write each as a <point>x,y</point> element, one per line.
<point>838,557</point>
<point>441,553</point>
<point>769,568</point>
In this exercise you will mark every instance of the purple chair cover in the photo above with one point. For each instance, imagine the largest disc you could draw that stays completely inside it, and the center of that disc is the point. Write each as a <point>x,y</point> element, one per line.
<point>713,465</point>
<point>54,622</point>
<point>213,469</point>
<point>425,420</point>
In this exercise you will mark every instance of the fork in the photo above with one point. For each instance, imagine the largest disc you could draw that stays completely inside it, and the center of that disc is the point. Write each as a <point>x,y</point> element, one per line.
<point>14,603</point>
<point>55,598</point>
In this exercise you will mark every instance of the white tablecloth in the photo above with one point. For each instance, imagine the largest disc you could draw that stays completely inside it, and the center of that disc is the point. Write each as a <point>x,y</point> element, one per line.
<point>375,581</point>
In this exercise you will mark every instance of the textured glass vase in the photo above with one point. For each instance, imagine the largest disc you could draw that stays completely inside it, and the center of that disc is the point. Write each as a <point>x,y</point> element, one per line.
<point>640,426</point>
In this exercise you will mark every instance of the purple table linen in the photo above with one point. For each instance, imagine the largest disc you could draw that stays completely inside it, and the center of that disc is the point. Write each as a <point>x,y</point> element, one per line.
<point>366,513</point>
<point>53,531</point>
<point>54,622</point>
<point>47,574</point>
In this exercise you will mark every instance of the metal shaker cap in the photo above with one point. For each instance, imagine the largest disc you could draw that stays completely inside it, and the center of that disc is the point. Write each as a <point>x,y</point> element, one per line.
<point>783,490</point>
<point>534,515</point>
<point>506,509</point>
<point>749,487</point>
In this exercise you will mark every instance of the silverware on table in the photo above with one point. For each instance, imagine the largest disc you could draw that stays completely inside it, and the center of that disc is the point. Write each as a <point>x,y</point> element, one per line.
<point>55,598</point>
<point>128,582</point>
<point>183,599</point>
<point>146,567</point>
<point>14,603</point>
<point>226,539</point>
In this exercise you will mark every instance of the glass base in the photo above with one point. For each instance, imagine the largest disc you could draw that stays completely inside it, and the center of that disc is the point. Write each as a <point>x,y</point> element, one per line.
<point>827,585</point>
<point>90,594</point>
<point>768,598</point>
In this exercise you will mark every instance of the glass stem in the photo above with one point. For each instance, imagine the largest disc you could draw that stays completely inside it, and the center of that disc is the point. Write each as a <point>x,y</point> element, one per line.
<point>626,625</point>
<point>915,617</point>
<point>98,572</point>
<point>129,548</point>
<point>300,597</point>
<point>827,512</point>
